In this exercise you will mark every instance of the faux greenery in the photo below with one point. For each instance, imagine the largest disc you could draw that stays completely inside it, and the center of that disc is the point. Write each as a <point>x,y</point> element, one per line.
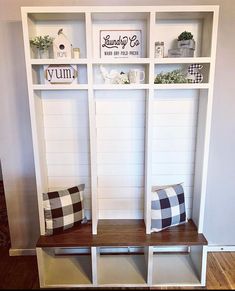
<point>123,78</point>
<point>186,35</point>
<point>176,76</point>
<point>41,42</point>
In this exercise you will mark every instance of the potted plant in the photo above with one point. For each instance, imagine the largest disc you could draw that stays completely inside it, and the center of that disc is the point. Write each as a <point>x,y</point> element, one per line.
<point>42,44</point>
<point>173,77</point>
<point>185,40</point>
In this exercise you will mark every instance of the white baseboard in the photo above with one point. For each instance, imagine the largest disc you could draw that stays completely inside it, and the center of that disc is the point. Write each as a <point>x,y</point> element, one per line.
<point>22,252</point>
<point>216,248</point>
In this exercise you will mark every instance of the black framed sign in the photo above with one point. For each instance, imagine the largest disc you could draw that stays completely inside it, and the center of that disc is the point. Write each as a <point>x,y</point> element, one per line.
<point>120,43</point>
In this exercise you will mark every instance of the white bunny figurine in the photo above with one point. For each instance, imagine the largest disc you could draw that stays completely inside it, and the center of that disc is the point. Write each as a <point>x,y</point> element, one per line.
<point>109,78</point>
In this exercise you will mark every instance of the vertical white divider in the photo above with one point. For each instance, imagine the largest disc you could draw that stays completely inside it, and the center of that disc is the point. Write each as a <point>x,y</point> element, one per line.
<point>41,267</point>
<point>198,256</point>
<point>201,213</point>
<point>148,251</point>
<point>94,266</point>
<point>204,265</point>
<point>36,121</point>
<point>149,126</point>
<point>92,125</point>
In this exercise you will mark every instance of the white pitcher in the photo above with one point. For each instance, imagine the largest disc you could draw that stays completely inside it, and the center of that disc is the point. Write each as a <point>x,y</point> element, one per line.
<point>136,76</point>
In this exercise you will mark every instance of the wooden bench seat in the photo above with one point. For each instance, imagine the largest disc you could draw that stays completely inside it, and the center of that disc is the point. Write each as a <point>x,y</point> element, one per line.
<point>124,233</point>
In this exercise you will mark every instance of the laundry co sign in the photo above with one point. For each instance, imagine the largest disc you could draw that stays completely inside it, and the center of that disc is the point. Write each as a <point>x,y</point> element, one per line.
<point>120,43</point>
<point>60,74</point>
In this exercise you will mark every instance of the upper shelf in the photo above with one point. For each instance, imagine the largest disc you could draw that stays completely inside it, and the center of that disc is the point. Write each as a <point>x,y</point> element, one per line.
<point>122,61</point>
<point>149,23</point>
<point>182,60</point>
<point>58,61</point>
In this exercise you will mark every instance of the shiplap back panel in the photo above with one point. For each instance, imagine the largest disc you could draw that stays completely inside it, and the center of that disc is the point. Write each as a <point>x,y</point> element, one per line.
<point>67,141</point>
<point>120,121</point>
<point>120,129</point>
<point>174,140</point>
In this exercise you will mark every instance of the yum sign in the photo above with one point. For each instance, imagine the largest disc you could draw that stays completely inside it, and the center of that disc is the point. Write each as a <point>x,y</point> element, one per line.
<point>120,43</point>
<point>60,74</point>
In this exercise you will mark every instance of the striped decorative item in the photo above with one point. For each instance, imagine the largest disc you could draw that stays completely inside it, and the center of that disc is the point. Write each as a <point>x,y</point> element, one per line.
<point>63,209</point>
<point>168,207</point>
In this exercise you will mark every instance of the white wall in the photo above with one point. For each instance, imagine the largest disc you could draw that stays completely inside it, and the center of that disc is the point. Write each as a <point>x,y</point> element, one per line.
<point>15,135</point>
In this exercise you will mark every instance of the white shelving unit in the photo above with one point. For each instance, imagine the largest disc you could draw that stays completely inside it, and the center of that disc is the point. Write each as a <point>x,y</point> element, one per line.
<point>120,140</point>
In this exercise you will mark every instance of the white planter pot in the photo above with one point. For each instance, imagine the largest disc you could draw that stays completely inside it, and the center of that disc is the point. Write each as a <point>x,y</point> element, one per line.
<point>43,54</point>
<point>189,43</point>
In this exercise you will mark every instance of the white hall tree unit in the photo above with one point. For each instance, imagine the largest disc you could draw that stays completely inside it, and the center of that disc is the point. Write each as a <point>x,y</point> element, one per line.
<point>120,140</point>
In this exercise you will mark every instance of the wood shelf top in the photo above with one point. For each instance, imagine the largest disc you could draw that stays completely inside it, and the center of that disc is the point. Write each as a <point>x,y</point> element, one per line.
<point>124,233</point>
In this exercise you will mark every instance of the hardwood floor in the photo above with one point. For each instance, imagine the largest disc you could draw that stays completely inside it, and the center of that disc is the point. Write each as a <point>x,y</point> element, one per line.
<point>221,271</point>
<point>4,228</point>
<point>18,272</point>
<point>21,272</point>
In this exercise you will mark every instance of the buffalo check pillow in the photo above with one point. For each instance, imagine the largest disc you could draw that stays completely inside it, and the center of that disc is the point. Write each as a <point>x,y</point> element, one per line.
<point>63,209</point>
<point>167,207</point>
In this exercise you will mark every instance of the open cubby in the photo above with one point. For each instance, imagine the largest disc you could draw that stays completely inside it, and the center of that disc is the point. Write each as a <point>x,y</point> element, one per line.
<point>73,25</point>
<point>120,140</point>
<point>123,21</point>
<point>111,268</point>
<point>183,68</point>
<point>65,270</point>
<point>199,23</point>
<point>39,75</point>
<point>174,269</point>
<point>110,69</point>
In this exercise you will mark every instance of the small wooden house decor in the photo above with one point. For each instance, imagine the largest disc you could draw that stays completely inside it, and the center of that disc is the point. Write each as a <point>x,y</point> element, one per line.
<point>62,48</point>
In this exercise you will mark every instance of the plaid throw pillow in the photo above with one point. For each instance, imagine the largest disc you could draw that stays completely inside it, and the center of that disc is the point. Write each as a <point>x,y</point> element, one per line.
<point>168,207</point>
<point>63,209</point>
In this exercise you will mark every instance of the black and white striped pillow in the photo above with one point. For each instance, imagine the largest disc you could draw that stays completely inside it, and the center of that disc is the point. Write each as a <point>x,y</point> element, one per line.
<point>63,209</point>
<point>167,207</point>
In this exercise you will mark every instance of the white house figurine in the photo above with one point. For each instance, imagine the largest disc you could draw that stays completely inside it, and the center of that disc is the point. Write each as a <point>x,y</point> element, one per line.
<point>62,48</point>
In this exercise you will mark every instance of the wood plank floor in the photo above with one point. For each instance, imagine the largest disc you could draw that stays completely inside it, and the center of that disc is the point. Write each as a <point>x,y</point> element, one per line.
<point>4,228</point>
<point>21,272</point>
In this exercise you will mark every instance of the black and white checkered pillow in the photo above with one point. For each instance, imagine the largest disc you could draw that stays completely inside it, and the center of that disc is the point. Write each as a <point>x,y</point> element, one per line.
<point>168,207</point>
<point>63,209</point>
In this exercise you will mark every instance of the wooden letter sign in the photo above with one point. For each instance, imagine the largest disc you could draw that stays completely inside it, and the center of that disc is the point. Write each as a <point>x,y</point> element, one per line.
<point>60,74</point>
<point>120,43</point>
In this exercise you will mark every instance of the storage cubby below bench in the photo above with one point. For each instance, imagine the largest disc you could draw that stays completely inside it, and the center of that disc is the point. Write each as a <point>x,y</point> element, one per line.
<point>122,254</point>
<point>180,268</point>
<point>121,266</point>
<point>65,267</point>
